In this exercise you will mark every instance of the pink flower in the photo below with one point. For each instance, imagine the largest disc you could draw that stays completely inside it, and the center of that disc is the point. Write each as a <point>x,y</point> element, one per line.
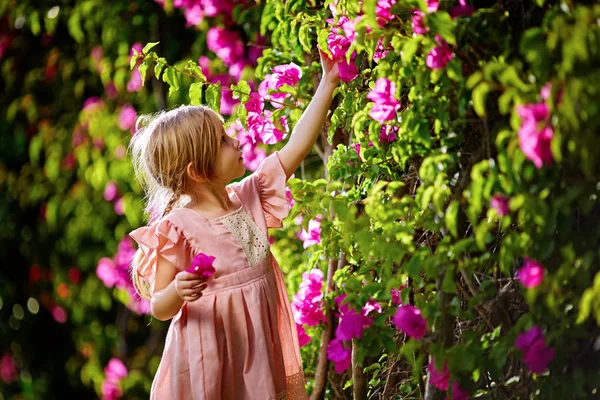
<point>111,390</point>
<point>110,191</point>
<point>500,204</point>
<point>193,15</point>
<point>458,393</point>
<point>419,26</point>
<point>340,356</point>
<point>383,95</point>
<point>307,303</point>
<point>93,103</point>
<point>303,337</point>
<point>253,156</point>
<point>536,354</point>
<point>535,133</point>
<point>338,45</point>
<point>202,265</point>
<point>382,11</point>
<point>227,101</point>
<point>380,51</point>
<point>119,207</point>
<point>388,133</point>
<point>8,369</point>
<point>135,83</point>
<point>313,236</point>
<point>438,379</point>
<point>462,9</point>
<point>439,56</point>
<point>397,294</point>
<point>531,273</point>
<point>127,117</point>
<point>111,90</point>
<point>115,370</point>
<point>286,74</point>
<point>371,306</point>
<point>59,314</point>
<point>408,319</point>
<point>227,45</point>
<point>106,272</point>
<point>255,103</point>
<point>546,91</point>
<point>347,70</point>
<point>289,197</point>
<point>432,5</point>
<point>352,323</point>
<point>356,147</point>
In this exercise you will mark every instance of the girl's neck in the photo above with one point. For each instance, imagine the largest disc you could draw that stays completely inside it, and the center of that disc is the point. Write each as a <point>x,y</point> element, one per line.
<point>211,199</point>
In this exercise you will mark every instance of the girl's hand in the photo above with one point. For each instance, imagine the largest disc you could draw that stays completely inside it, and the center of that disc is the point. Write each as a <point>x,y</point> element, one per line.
<point>189,286</point>
<point>331,73</point>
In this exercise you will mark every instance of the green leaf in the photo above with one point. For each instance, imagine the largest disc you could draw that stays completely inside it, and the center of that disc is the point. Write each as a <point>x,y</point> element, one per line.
<point>170,77</point>
<point>149,46</point>
<point>213,96</point>
<point>451,217</point>
<point>75,28</point>
<point>195,93</point>
<point>449,283</point>
<point>304,37</point>
<point>241,91</point>
<point>441,22</point>
<point>194,69</point>
<point>479,96</point>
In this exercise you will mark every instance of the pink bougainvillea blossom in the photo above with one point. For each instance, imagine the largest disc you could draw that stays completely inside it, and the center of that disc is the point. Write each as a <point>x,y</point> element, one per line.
<point>303,337</point>
<point>352,323</point>
<point>419,26</point>
<point>385,103</point>
<point>388,133</point>
<point>432,5</point>
<point>193,15</point>
<point>226,44</point>
<point>499,203</point>
<point>371,306</point>
<point>382,11</point>
<point>289,197</point>
<point>381,51</point>
<point>127,117</point>
<point>535,133</point>
<point>255,103</point>
<point>313,235</point>
<point>253,156</point>
<point>285,74</point>
<point>111,390</point>
<point>119,206</point>
<point>339,355</point>
<point>59,314</point>
<point>409,319</point>
<point>202,265</point>
<point>135,83</point>
<point>440,55</point>
<point>397,294</point>
<point>458,393</point>
<point>536,353</point>
<point>8,369</point>
<point>347,70</point>
<point>110,191</point>
<point>115,370</point>
<point>462,9</point>
<point>307,306</point>
<point>531,273</point>
<point>439,379</point>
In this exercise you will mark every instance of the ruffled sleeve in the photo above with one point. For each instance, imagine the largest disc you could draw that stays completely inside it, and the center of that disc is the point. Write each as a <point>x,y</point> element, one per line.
<point>165,238</point>
<point>271,188</point>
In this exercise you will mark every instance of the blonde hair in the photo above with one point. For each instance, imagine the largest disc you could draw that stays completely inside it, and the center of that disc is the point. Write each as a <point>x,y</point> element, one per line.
<point>163,146</point>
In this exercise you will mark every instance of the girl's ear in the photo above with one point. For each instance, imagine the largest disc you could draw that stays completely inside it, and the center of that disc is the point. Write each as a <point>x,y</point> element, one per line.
<point>191,173</point>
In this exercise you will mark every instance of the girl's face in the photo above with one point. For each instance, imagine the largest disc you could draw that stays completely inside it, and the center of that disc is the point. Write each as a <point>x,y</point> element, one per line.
<point>229,164</point>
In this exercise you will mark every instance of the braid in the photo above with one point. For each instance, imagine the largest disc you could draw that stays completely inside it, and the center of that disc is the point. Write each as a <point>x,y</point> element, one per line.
<point>175,196</point>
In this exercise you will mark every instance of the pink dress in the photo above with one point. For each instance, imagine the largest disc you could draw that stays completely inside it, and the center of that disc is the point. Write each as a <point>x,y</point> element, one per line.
<point>239,340</point>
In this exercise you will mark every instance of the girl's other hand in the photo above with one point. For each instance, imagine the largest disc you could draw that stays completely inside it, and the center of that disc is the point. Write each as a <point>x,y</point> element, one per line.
<point>189,286</point>
<point>331,73</point>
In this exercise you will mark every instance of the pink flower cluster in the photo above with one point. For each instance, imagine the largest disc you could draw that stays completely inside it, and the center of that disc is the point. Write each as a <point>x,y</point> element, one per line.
<point>251,153</point>
<point>440,55</point>
<point>202,265</point>
<point>313,236</point>
<point>115,371</point>
<point>536,353</point>
<point>194,11</point>
<point>111,193</point>
<point>441,380</point>
<point>500,204</point>
<point>127,118</point>
<point>351,326</point>
<point>115,272</point>
<point>462,9</point>
<point>135,82</point>
<point>418,19</point>
<point>8,369</point>
<point>384,98</point>
<point>531,273</point>
<point>410,321</point>
<point>307,303</point>
<point>535,133</point>
<point>338,42</point>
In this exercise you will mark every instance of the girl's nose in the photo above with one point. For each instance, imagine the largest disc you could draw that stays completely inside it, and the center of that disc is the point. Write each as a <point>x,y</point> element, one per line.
<point>236,143</point>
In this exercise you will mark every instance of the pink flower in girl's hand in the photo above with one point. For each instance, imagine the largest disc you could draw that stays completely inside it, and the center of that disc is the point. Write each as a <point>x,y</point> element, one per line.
<point>202,265</point>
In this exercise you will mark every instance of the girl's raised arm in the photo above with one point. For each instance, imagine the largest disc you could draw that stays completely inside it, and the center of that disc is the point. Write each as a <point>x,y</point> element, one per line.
<point>309,125</point>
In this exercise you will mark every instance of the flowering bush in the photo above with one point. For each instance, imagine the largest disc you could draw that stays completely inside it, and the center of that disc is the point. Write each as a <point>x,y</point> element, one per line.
<point>448,211</point>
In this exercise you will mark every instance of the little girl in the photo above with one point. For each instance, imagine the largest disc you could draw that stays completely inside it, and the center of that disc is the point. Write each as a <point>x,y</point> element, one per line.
<point>232,336</point>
